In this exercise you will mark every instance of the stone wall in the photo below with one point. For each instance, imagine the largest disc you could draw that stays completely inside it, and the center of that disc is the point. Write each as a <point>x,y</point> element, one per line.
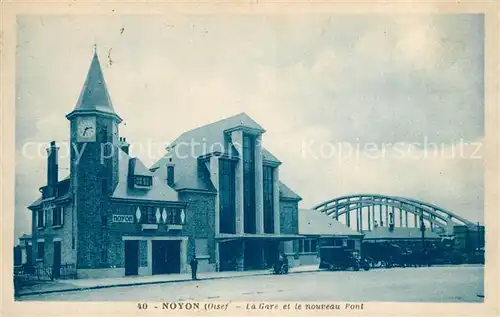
<point>200,221</point>
<point>289,222</point>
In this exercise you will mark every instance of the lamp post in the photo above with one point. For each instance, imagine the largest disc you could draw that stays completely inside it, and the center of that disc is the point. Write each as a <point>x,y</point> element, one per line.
<point>391,221</point>
<point>478,237</point>
<point>422,230</point>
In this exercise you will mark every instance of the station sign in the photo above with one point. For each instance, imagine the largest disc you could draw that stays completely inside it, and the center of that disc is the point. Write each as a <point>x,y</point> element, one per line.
<point>123,218</point>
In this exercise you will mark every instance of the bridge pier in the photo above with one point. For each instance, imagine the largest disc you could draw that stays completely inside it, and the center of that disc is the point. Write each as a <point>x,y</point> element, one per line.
<point>348,218</point>
<point>369,218</point>
<point>373,217</point>
<point>357,219</point>
<point>387,215</point>
<point>380,215</point>
<point>361,219</point>
<point>400,217</point>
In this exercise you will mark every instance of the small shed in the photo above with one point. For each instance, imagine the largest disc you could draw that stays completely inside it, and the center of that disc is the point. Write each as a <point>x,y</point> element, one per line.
<point>320,229</point>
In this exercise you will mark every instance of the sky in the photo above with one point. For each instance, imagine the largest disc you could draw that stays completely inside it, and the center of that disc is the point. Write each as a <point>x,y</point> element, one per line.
<point>380,104</point>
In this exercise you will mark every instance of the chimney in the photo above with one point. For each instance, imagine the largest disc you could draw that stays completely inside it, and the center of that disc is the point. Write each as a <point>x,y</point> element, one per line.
<point>52,168</point>
<point>123,144</point>
<point>170,174</point>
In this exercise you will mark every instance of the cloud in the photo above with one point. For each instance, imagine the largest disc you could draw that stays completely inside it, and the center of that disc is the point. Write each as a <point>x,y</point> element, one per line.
<point>322,79</point>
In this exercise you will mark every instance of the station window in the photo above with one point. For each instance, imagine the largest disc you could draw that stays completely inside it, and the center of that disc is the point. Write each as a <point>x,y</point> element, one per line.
<point>338,242</point>
<point>307,245</point>
<point>57,216</point>
<point>350,244</point>
<point>148,215</point>
<point>40,218</point>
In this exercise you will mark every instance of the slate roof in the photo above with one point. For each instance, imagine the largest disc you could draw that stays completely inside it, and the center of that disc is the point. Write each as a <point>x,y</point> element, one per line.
<point>287,193</point>
<point>401,233</point>
<point>268,156</point>
<point>213,132</point>
<point>94,95</point>
<point>312,222</point>
<point>138,167</point>
<point>191,175</point>
<point>186,176</point>
<point>63,193</point>
<point>158,191</point>
<point>25,237</point>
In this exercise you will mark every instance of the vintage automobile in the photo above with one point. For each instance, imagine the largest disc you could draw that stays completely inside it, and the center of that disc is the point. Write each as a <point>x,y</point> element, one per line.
<point>339,258</point>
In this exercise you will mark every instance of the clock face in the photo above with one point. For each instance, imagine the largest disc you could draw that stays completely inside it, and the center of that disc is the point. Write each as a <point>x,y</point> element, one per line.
<point>86,129</point>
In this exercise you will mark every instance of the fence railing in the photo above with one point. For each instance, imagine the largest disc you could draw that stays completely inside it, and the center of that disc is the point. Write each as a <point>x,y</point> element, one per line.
<point>44,272</point>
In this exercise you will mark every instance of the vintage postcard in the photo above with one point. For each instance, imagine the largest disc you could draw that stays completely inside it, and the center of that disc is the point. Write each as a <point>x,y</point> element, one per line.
<point>250,158</point>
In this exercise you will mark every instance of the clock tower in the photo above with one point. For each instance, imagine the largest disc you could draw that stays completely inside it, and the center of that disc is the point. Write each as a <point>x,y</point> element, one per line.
<point>94,166</point>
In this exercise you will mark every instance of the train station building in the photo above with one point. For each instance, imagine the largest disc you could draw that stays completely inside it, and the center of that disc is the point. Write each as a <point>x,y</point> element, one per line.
<point>222,202</point>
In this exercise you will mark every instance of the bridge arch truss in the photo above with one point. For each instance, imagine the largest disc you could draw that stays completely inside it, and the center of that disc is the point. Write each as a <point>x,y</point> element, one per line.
<point>365,211</point>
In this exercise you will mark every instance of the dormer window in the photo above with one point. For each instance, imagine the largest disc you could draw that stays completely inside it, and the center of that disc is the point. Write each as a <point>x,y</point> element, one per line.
<point>170,175</point>
<point>143,181</point>
<point>138,175</point>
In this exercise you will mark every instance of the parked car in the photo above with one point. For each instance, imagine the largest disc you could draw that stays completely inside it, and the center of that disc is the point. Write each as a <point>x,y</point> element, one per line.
<point>340,258</point>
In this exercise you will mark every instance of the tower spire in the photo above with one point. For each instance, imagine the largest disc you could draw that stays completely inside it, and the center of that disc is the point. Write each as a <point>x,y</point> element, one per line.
<point>94,96</point>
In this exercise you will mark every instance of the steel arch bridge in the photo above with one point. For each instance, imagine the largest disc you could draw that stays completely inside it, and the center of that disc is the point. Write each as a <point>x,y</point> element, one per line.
<point>345,208</point>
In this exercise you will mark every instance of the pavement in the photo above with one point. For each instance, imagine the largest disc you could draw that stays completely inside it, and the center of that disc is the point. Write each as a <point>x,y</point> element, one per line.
<point>444,284</point>
<point>60,286</point>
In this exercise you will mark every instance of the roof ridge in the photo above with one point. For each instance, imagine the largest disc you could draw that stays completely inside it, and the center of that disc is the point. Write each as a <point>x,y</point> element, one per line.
<point>211,125</point>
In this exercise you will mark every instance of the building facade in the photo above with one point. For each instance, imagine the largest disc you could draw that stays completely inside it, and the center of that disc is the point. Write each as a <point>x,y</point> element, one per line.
<point>221,202</point>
